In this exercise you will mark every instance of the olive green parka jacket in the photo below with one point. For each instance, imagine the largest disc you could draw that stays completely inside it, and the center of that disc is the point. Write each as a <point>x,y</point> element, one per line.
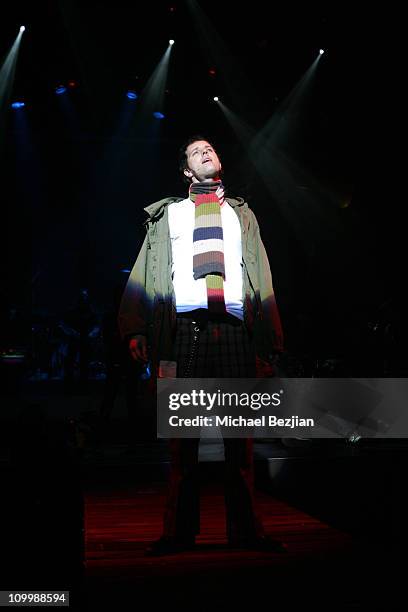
<point>148,302</point>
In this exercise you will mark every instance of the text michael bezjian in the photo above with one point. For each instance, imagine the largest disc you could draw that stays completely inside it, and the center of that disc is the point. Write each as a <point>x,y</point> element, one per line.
<point>210,401</point>
<point>240,421</point>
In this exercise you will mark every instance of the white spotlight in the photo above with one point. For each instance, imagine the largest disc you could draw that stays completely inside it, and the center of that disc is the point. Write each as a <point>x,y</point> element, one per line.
<point>321,51</point>
<point>216,98</point>
<point>171,42</point>
<point>22,28</point>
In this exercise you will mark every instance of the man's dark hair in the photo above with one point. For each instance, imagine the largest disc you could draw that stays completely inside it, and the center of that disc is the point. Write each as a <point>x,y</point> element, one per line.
<point>183,153</point>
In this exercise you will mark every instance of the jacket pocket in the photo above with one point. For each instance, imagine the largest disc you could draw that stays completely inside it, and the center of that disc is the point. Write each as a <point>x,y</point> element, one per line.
<point>251,255</point>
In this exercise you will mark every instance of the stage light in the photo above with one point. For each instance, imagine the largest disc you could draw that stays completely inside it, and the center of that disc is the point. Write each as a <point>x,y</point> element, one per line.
<point>158,115</point>
<point>18,104</point>
<point>216,99</point>
<point>60,89</point>
<point>22,28</point>
<point>72,83</point>
<point>132,95</point>
<point>171,42</point>
<point>321,51</point>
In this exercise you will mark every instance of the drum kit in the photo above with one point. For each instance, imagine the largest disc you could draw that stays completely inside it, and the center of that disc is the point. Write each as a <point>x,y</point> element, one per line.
<point>372,353</point>
<point>50,342</point>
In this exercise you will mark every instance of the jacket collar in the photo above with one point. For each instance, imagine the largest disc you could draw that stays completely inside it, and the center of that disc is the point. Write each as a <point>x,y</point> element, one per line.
<point>155,209</point>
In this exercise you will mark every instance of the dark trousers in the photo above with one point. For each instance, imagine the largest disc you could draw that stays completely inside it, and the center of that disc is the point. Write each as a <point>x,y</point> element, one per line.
<point>204,348</point>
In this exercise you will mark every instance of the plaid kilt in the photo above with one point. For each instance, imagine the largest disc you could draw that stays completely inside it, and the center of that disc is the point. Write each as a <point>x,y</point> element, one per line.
<point>204,348</point>
<point>219,346</point>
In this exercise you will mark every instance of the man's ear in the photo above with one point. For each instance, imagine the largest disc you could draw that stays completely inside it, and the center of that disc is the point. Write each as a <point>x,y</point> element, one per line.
<point>187,172</point>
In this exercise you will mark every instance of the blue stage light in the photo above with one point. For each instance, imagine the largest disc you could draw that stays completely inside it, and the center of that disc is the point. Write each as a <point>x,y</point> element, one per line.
<point>158,115</point>
<point>18,104</point>
<point>60,90</point>
<point>132,95</point>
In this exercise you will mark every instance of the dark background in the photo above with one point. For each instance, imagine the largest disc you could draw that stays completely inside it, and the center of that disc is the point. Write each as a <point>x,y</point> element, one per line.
<point>80,168</point>
<point>77,171</point>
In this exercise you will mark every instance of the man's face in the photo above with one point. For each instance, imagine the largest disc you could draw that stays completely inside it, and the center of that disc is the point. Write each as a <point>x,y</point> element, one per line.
<point>202,162</point>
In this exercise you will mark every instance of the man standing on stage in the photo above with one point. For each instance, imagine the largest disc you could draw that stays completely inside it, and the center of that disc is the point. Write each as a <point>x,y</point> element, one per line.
<point>200,303</point>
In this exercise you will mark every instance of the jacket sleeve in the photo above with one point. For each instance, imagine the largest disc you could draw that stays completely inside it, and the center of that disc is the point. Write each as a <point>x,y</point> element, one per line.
<point>136,303</point>
<point>271,322</point>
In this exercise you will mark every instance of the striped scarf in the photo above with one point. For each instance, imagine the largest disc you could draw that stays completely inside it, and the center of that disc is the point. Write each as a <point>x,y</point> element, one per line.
<point>208,243</point>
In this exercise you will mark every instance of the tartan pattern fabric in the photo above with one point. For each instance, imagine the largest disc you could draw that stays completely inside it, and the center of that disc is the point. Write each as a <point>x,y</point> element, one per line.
<point>221,348</point>
<point>206,349</point>
<point>208,242</point>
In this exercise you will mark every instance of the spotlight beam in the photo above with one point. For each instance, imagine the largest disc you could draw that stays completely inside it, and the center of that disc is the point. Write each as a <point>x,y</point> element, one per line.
<point>7,72</point>
<point>152,96</point>
<point>242,130</point>
<point>303,200</point>
<point>235,81</point>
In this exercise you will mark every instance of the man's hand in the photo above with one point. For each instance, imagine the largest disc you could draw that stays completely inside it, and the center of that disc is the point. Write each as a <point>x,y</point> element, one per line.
<point>220,194</point>
<point>138,348</point>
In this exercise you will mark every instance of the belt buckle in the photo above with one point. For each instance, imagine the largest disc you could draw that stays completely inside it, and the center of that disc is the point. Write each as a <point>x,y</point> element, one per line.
<point>196,327</point>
